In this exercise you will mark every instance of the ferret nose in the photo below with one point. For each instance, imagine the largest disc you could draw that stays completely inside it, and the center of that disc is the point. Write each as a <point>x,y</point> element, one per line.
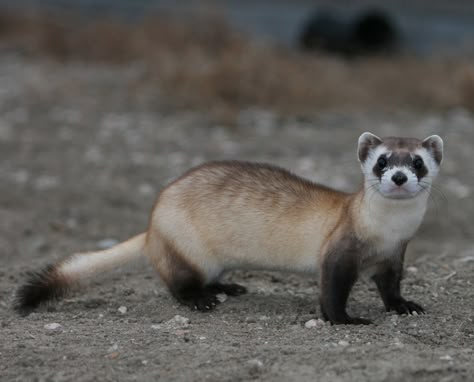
<point>399,178</point>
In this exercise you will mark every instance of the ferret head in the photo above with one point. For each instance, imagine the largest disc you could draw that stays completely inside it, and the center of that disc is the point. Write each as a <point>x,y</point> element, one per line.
<point>399,168</point>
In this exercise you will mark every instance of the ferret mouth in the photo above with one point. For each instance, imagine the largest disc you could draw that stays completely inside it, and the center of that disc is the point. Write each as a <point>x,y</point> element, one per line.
<point>398,193</point>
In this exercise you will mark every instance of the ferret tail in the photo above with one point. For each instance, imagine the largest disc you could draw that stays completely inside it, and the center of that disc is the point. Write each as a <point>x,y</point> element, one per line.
<point>54,280</point>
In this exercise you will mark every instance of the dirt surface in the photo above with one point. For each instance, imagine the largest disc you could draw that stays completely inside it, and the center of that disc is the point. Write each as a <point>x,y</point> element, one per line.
<point>82,156</point>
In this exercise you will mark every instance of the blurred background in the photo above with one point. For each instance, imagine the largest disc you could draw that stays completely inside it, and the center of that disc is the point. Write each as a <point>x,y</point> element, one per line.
<point>296,57</point>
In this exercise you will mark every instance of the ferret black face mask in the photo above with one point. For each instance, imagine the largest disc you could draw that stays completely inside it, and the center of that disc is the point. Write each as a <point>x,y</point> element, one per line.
<point>399,168</point>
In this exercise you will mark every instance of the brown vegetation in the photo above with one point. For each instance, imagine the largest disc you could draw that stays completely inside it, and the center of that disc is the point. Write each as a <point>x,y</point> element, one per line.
<point>201,63</point>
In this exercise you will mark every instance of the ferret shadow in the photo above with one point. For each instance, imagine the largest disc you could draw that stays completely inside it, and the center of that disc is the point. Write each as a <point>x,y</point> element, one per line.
<point>272,304</point>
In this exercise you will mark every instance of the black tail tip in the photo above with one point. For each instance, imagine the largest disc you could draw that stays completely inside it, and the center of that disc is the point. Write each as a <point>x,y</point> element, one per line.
<point>42,286</point>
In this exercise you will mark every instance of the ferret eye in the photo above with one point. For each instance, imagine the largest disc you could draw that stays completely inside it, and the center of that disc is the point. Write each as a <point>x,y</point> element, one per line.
<point>418,163</point>
<point>382,163</point>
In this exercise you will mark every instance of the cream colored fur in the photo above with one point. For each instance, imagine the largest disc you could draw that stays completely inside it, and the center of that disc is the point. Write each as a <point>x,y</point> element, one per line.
<point>225,233</point>
<point>84,265</point>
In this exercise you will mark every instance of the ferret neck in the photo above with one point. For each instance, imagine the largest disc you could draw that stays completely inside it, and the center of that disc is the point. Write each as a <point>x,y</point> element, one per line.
<point>390,220</point>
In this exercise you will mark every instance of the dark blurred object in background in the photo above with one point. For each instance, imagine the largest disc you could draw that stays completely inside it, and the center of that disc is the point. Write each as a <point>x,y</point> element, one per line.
<point>372,31</point>
<point>201,62</point>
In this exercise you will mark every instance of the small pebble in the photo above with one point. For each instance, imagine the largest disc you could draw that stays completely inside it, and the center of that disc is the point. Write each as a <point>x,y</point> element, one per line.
<point>446,357</point>
<point>113,355</point>
<point>222,297</point>
<point>343,343</point>
<point>178,321</point>
<point>314,323</point>
<point>53,326</point>
<point>122,309</point>
<point>412,269</point>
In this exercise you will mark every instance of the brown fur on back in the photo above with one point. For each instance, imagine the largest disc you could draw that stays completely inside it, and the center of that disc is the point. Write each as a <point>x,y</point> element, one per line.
<point>227,215</point>
<point>261,183</point>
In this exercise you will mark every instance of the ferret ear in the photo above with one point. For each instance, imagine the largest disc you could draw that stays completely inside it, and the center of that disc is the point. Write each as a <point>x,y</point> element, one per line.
<point>367,142</point>
<point>434,144</point>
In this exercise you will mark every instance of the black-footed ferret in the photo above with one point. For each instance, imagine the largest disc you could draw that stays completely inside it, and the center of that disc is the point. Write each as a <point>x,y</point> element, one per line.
<point>228,215</point>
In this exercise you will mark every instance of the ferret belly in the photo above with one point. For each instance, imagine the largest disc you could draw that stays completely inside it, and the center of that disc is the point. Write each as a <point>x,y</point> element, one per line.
<point>258,244</point>
<point>227,239</point>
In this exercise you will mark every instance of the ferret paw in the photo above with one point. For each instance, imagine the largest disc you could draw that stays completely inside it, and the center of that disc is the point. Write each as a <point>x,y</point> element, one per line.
<point>407,307</point>
<point>228,289</point>
<point>205,302</point>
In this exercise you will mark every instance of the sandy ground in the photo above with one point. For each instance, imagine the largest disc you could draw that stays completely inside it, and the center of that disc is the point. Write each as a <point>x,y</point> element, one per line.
<point>81,158</point>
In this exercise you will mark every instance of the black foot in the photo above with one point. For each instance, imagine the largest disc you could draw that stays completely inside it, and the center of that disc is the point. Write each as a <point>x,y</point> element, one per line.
<point>345,319</point>
<point>406,307</point>
<point>201,300</point>
<point>204,302</point>
<point>228,289</point>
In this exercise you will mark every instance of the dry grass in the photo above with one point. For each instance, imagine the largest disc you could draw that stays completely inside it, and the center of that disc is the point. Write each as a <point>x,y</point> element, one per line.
<point>203,64</point>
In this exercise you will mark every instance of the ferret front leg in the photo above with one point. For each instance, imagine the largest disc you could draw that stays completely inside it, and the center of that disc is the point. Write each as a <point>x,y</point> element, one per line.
<point>388,280</point>
<point>338,275</point>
